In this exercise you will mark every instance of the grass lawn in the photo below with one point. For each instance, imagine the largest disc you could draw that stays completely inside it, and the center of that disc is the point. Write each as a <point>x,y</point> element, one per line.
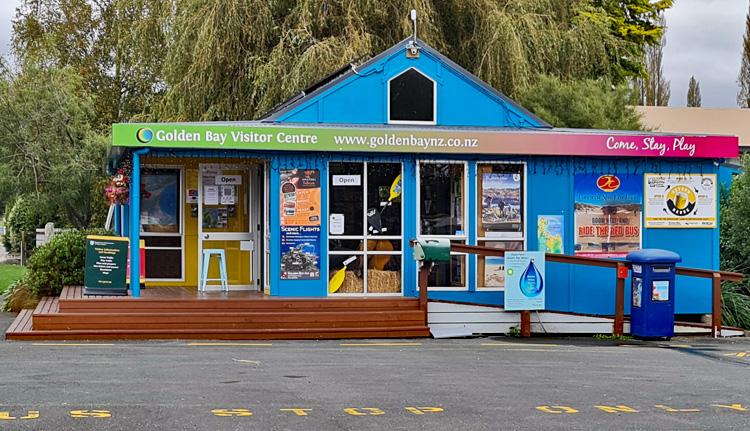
<point>9,274</point>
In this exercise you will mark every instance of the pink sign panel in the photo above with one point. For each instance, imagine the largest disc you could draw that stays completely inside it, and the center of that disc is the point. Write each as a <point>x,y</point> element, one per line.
<point>609,145</point>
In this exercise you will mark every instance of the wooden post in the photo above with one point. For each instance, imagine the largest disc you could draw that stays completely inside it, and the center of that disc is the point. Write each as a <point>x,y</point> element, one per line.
<point>525,323</point>
<point>619,325</point>
<point>716,305</point>
<point>424,273</point>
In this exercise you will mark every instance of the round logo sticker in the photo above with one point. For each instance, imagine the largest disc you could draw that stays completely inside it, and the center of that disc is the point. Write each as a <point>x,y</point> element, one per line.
<point>608,183</point>
<point>681,200</point>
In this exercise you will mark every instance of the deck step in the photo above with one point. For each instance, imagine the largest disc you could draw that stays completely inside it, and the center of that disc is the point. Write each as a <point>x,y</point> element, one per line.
<point>251,320</point>
<point>182,313</point>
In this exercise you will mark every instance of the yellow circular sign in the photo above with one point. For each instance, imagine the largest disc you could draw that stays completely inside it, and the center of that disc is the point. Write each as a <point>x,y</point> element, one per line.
<point>681,200</point>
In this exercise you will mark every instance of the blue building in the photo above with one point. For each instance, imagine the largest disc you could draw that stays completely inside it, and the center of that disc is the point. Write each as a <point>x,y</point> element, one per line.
<point>338,179</point>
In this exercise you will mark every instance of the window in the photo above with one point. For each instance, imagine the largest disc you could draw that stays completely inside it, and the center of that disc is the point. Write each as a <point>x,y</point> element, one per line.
<point>161,223</point>
<point>411,98</point>
<point>160,201</point>
<point>501,218</point>
<point>365,226</point>
<point>442,213</point>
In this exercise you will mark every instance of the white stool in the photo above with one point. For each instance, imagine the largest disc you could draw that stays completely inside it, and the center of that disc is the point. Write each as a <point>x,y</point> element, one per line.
<point>207,253</point>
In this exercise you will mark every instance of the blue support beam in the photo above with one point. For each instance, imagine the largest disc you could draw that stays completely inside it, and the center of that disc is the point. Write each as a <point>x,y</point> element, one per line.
<point>135,223</point>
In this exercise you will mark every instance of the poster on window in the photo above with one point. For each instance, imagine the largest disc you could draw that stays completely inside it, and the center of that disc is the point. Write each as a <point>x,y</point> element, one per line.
<point>300,252</point>
<point>501,202</point>
<point>680,201</point>
<point>550,233</point>
<point>494,266</point>
<point>300,197</point>
<point>607,214</point>
<point>300,224</point>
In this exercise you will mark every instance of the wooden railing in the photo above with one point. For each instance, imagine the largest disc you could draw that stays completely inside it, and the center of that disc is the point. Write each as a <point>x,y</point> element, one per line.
<point>621,272</point>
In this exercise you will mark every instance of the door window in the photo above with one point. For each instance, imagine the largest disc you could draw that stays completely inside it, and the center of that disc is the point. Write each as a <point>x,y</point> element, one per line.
<point>501,218</point>
<point>365,227</point>
<point>161,222</point>
<point>442,214</point>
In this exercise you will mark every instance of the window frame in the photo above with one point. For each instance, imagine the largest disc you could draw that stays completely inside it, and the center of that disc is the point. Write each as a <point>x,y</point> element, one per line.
<point>181,224</point>
<point>453,238</point>
<point>364,237</point>
<point>434,100</point>
<point>507,237</point>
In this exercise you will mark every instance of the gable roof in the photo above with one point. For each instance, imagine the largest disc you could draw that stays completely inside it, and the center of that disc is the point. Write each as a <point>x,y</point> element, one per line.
<point>347,71</point>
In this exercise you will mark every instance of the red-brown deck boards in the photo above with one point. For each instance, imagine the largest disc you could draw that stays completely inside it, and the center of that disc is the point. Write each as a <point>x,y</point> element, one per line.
<point>183,313</point>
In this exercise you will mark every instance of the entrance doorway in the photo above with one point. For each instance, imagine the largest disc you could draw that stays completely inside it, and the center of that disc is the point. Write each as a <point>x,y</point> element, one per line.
<point>230,218</point>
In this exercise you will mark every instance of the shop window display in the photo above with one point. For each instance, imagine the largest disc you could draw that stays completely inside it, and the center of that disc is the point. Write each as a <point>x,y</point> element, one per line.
<point>365,218</point>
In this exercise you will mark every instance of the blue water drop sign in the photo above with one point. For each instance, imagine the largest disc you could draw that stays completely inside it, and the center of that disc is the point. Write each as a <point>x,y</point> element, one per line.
<point>524,280</point>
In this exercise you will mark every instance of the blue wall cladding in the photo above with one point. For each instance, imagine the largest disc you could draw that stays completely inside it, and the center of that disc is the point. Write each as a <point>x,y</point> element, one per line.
<point>361,97</point>
<point>590,290</point>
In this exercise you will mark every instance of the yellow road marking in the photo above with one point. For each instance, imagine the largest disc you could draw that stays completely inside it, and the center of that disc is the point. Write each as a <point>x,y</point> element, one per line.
<point>230,344</point>
<point>557,409</point>
<point>364,411</point>
<point>297,411</point>
<point>737,354</point>
<point>380,344</point>
<point>90,414</point>
<point>73,344</point>
<point>231,412</point>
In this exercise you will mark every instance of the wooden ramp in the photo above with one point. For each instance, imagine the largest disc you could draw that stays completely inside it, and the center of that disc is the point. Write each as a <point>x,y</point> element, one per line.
<point>183,313</point>
<point>447,319</point>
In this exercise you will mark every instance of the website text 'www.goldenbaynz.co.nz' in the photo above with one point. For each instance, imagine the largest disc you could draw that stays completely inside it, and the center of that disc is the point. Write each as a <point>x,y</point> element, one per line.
<point>391,140</point>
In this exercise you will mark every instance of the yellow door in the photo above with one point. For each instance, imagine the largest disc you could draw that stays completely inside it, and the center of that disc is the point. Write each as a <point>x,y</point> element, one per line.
<point>226,221</point>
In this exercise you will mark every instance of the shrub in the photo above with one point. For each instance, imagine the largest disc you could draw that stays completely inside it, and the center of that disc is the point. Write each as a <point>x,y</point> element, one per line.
<point>59,263</point>
<point>27,213</point>
<point>735,248</point>
<point>18,296</point>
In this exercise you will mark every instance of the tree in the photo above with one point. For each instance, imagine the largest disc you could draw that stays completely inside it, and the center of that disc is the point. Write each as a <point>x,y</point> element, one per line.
<point>743,97</point>
<point>734,247</point>
<point>48,146</point>
<point>595,104</point>
<point>116,46</point>
<point>506,43</point>
<point>694,93</point>
<point>639,23</point>
<point>221,59</point>
<point>654,87</point>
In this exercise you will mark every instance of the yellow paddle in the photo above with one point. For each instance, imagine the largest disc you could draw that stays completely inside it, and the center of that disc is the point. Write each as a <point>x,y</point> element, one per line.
<point>395,189</point>
<point>334,284</point>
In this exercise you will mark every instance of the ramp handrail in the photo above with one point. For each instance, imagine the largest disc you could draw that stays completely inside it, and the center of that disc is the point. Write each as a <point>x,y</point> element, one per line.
<point>621,268</point>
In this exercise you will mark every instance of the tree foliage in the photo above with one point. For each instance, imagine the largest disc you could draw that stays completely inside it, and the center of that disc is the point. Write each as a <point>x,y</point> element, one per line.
<point>694,93</point>
<point>743,97</point>
<point>581,104</point>
<point>654,88</point>
<point>735,248</point>
<point>47,143</point>
<point>116,46</point>
<point>640,24</point>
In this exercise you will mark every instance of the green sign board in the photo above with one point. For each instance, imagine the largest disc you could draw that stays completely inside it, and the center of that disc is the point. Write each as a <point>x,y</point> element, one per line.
<point>106,263</point>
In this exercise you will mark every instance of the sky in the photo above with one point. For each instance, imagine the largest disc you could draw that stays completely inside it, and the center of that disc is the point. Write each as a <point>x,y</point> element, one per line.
<point>704,38</point>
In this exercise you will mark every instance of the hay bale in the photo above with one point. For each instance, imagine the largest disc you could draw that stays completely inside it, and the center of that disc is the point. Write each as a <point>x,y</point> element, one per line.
<point>383,281</point>
<point>352,284</point>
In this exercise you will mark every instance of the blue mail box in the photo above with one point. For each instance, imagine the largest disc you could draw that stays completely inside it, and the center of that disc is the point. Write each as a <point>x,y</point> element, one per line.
<point>653,287</point>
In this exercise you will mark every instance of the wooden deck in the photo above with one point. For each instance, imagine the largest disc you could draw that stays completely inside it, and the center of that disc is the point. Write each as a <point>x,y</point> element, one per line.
<point>183,313</point>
